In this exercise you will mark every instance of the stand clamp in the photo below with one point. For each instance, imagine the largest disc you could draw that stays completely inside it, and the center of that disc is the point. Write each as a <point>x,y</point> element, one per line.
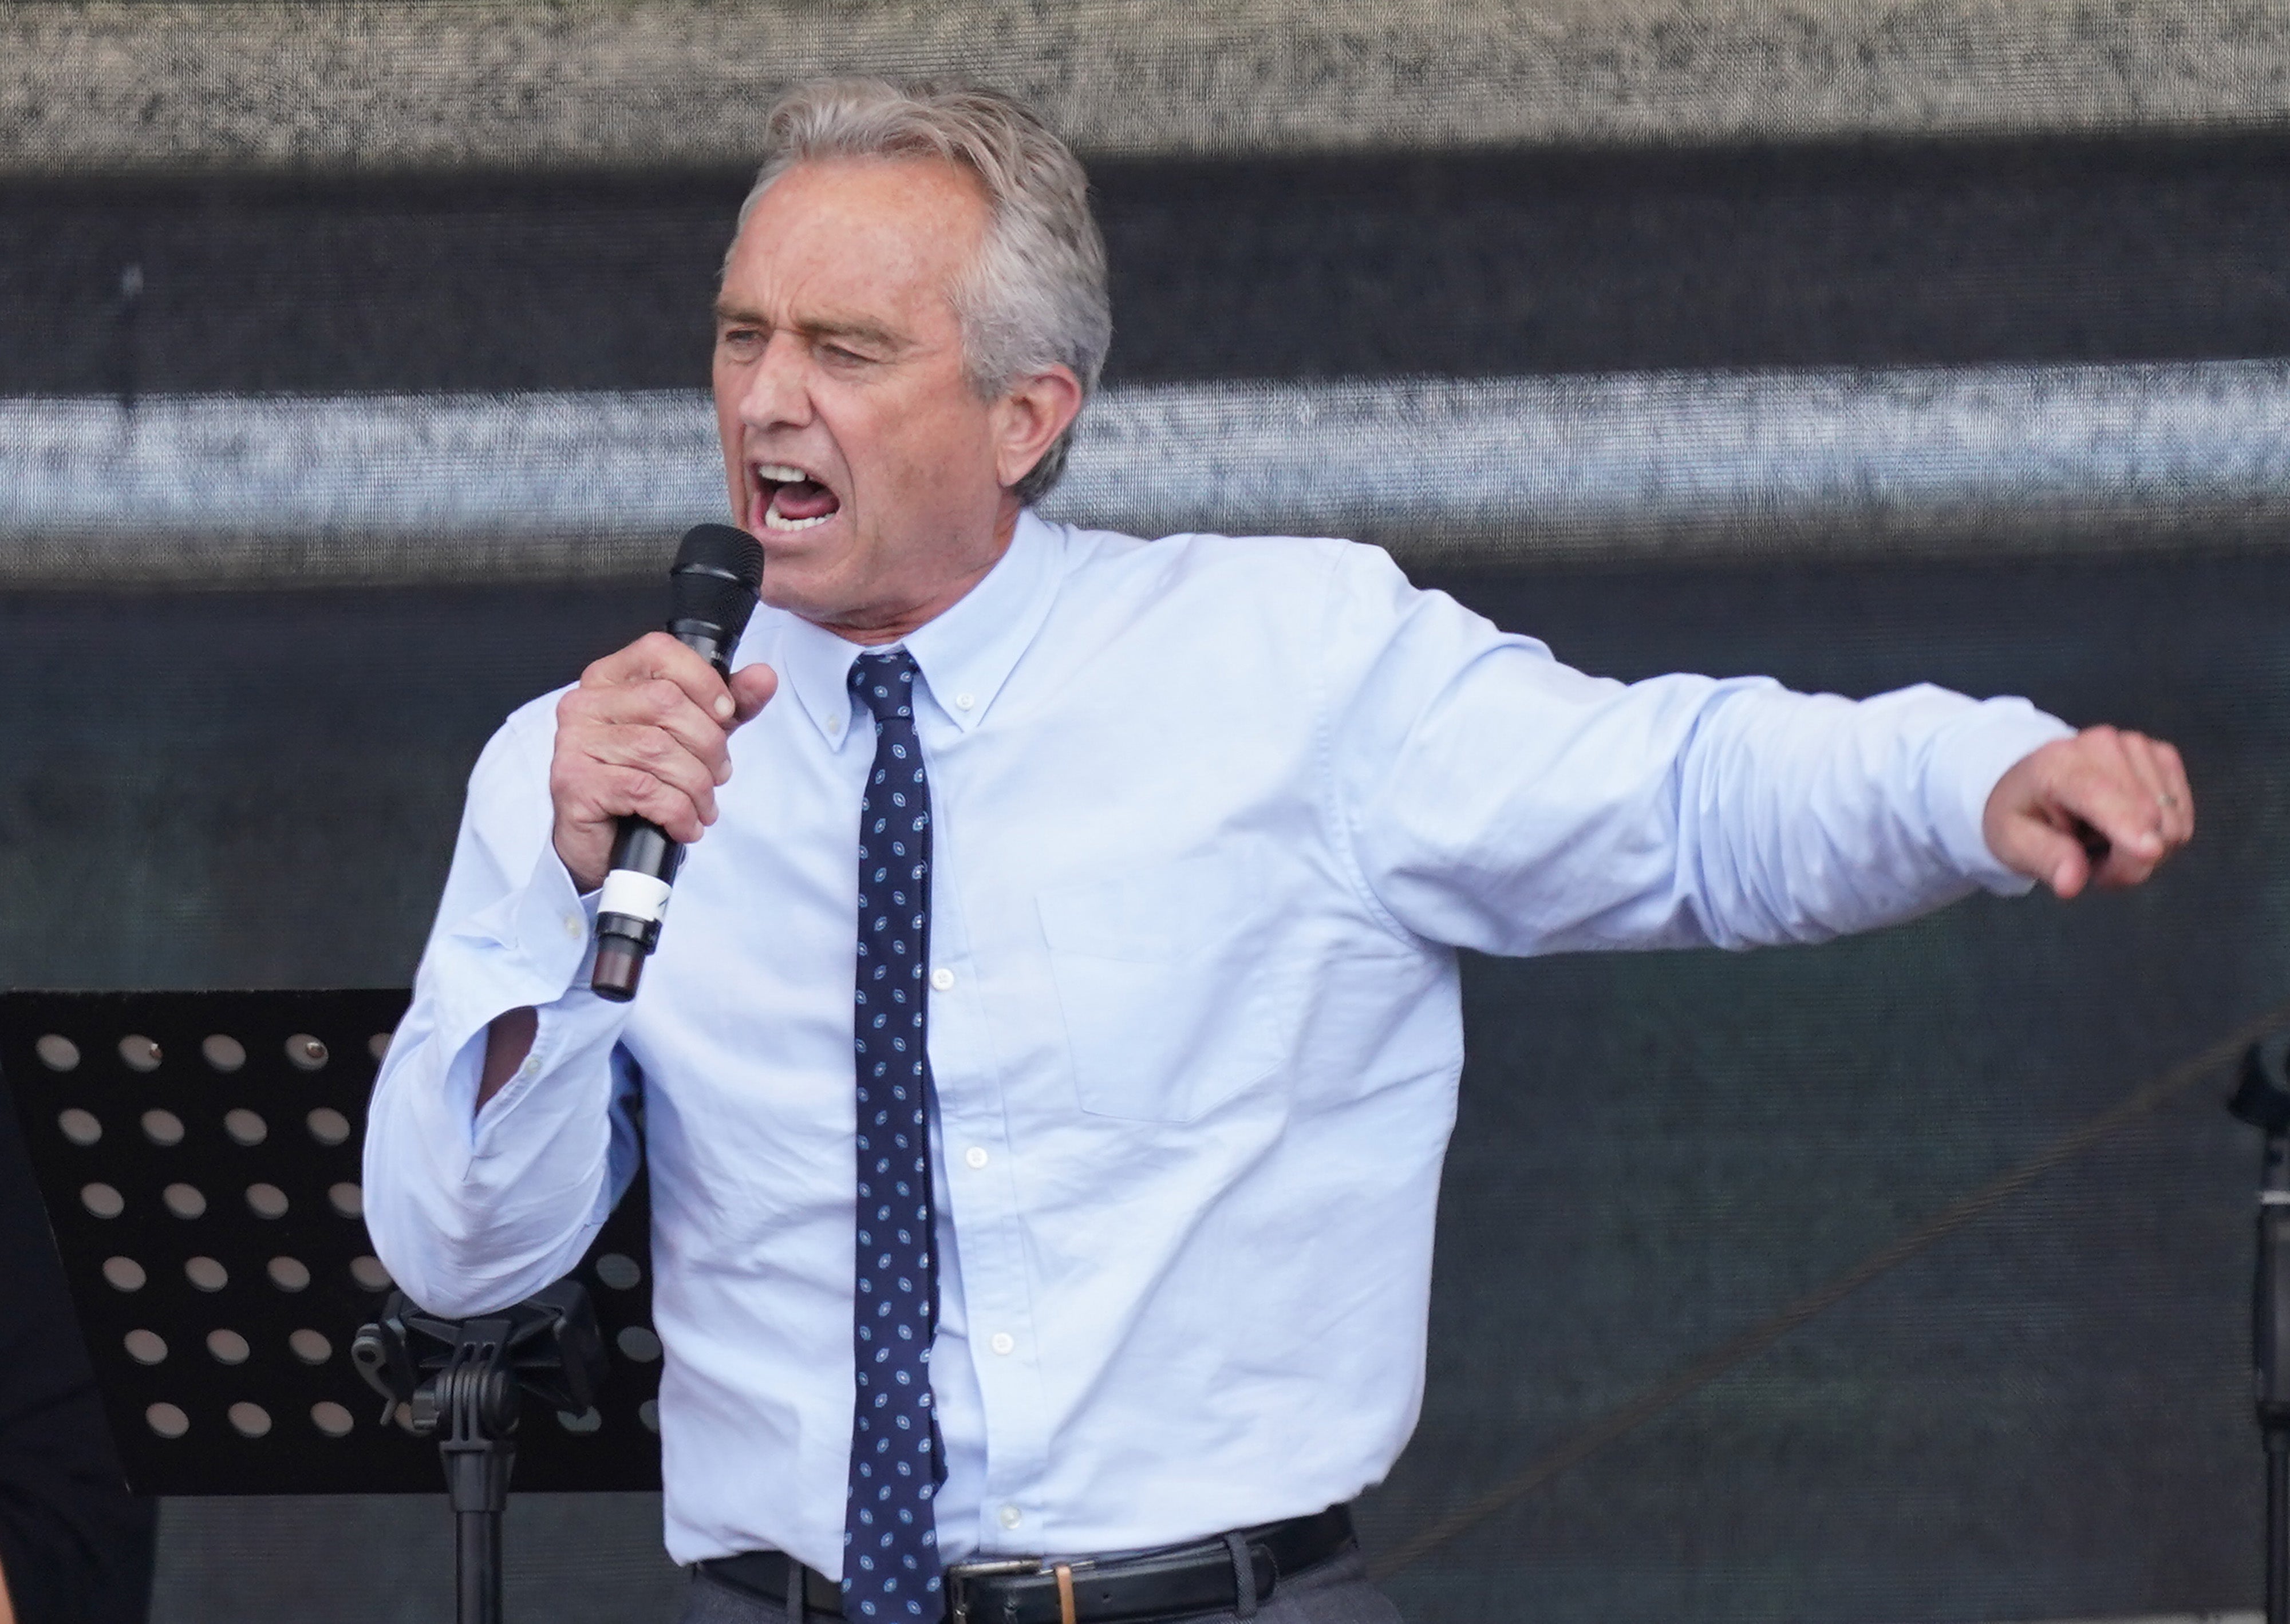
<point>461,1382</point>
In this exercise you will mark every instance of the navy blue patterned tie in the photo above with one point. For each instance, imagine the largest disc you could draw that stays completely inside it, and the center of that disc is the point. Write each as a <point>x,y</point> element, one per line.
<point>890,1555</point>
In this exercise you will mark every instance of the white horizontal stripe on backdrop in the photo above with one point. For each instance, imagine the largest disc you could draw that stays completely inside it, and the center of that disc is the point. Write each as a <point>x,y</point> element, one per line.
<point>1500,473</point>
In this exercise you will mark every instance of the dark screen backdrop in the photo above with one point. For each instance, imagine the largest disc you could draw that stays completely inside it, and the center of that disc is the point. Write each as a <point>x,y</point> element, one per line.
<point>2044,1415</point>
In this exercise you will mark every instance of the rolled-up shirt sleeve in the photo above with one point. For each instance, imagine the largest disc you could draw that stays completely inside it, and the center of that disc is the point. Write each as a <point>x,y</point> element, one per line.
<point>473,1210</point>
<point>1497,800</point>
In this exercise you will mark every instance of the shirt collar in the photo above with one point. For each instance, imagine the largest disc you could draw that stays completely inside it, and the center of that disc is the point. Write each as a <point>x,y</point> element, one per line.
<point>967,653</point>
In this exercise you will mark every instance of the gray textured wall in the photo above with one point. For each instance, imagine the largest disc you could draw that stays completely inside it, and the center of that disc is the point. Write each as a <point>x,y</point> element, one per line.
<point>101,87</point>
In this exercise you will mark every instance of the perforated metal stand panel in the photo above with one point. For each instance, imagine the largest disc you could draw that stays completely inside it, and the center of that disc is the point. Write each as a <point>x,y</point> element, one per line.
<point>198,1154</point>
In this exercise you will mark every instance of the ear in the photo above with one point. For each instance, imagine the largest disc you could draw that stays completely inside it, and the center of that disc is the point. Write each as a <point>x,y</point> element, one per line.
<point>1028,421</point>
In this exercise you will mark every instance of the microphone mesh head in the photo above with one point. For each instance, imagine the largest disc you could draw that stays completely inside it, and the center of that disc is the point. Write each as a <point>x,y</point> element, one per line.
<point>721,548</point>
<point>715,576</point>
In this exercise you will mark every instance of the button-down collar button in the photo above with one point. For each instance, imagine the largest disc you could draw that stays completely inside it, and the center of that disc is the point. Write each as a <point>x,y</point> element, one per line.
<point>1012,1516</point>
<point>531,1069</point>
<point>963,701</point>
<point>1003,1342</point>
<point>834,724</point>
<point>975,1156</point>
<point>574,925</point>
<point>942,980</point>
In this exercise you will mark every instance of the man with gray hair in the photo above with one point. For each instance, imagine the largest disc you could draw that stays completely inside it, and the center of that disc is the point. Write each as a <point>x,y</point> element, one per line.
<point>1045,1079</point>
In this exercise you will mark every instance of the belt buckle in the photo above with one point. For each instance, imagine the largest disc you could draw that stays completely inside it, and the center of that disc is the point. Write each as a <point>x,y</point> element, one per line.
<point>959,1574</point>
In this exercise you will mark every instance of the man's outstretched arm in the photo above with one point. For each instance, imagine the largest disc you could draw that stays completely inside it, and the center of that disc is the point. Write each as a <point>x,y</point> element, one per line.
<point>1499,801</point>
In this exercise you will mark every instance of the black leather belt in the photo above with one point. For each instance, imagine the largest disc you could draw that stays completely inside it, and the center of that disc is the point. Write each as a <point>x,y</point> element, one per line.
<point>764,1574</point>
<point>1172,1583</point>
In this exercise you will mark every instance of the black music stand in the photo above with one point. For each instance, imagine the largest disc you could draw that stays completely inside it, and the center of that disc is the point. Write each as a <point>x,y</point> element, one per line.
<point>2262,1099</point>
<point>198,1155</point>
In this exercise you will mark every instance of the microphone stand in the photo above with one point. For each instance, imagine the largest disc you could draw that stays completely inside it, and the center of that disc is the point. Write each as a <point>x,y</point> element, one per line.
<point>461,1382</point>
<point>2262,1100</point>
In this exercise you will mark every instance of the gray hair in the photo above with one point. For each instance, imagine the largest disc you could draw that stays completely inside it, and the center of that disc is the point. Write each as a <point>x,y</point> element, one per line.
<point>1035,296</point>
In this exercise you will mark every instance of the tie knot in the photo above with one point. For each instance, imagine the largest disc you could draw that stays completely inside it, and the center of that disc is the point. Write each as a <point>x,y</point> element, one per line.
<point>886,683</point>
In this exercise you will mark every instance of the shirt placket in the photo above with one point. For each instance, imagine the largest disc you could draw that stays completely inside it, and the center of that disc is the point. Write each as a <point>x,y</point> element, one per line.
<point>981,1169</point>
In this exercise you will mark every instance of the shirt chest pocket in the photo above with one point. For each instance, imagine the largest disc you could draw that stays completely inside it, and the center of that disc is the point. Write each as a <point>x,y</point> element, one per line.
<point>1170,986</point>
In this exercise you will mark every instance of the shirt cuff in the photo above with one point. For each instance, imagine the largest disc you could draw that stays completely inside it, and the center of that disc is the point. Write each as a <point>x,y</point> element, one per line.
<point>1973,754</point>
<point>538,937</point>
<point>530,948</point>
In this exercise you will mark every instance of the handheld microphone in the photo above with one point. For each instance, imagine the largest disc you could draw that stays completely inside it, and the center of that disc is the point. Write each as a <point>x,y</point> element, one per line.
<point>712,583</point>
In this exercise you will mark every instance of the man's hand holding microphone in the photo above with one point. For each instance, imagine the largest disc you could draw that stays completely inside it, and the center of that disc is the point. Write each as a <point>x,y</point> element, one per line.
<point>643,744</point>
<point>647,734</point>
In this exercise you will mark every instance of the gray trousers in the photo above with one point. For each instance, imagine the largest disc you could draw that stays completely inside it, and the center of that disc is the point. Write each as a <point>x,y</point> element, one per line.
<point>1335,1592</point>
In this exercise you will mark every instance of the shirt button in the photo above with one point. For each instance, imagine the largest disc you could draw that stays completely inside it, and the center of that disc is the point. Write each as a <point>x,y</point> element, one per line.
<point>531,1069</point>
<point>975,1156</point>
<point>575,925</point>
<point>963,701</point>
<point>1004,1343</point>
<point>1012,1516</point>
<point>942,980</point>
<point>834,724</point>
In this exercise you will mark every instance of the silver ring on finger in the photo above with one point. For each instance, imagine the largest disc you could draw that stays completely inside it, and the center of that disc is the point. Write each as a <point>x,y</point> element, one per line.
<point>2167,801</point>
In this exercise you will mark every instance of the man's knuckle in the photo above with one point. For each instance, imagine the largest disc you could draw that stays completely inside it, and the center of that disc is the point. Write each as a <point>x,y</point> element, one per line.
<point>576,718</point>
<point>628,785</point>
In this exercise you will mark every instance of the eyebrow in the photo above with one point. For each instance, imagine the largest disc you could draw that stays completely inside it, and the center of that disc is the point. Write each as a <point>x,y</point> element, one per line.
<point>848,327</point>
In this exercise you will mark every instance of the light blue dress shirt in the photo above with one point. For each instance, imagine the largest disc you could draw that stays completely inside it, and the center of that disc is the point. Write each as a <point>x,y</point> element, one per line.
<point>1213,816</point>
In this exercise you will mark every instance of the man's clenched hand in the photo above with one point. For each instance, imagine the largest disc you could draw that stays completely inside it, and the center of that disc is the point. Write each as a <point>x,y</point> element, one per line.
<point>2127,788</point>
<point>646,733</point>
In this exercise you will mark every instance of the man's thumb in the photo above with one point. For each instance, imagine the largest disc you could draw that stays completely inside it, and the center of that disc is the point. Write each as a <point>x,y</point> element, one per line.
<point>2051,855</point>
<point>752,687</point>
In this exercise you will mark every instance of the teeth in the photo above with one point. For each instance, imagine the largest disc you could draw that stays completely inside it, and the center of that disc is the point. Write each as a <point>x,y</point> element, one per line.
<point>780,473</point>
<point>772,521</point>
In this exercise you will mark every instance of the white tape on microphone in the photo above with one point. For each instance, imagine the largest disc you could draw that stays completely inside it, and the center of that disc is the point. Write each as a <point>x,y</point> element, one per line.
<point>638,896</point>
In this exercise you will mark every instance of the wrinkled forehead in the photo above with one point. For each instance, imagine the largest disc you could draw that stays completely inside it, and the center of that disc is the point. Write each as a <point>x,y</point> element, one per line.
<point>888,237</point>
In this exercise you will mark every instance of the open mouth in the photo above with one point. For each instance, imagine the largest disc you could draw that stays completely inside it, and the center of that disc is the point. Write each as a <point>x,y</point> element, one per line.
<point>790,498</point>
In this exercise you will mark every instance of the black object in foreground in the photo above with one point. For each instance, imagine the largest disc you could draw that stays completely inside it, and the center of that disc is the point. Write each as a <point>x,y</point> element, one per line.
<point>74,1543</point>
<point>2263,1102</point>
<point>715,579</point>
<point>460,1381</point>
<point>198,1155</point>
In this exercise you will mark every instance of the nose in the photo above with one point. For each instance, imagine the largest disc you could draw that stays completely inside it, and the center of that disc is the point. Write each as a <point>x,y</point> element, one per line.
<point>777,394</point>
